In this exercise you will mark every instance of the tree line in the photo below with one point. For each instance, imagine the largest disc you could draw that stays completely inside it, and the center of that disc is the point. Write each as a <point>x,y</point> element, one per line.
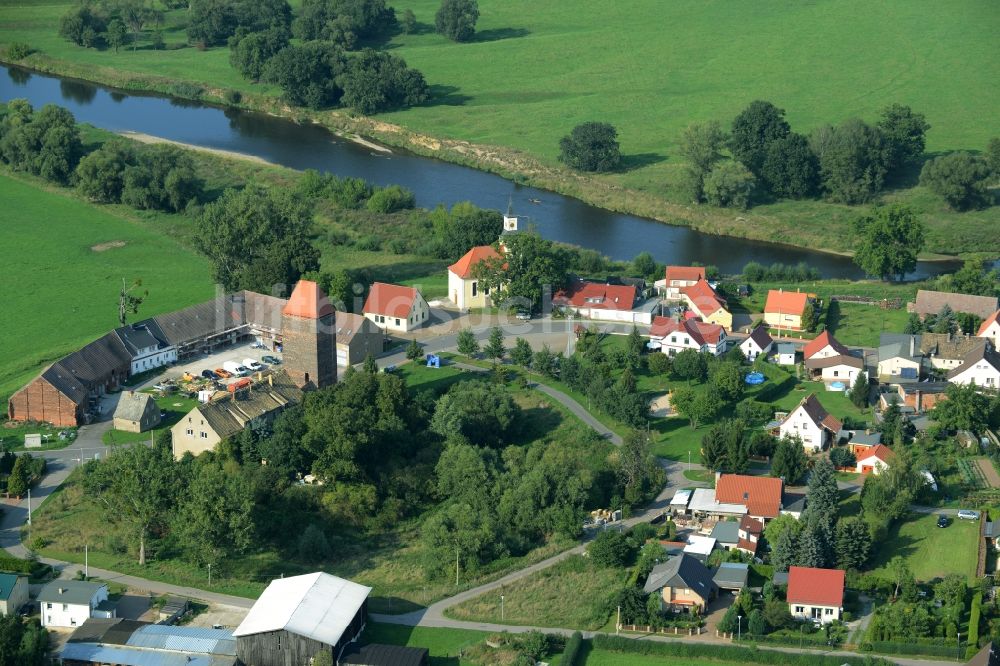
<point>849,163</point>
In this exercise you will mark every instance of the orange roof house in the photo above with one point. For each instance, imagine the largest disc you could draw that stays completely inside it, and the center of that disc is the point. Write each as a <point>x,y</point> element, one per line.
<point>784,309</point>
<point>697,335</point>
<point>676,274</point>
<point>464,266</point>
<point>808,586</point>
<point>761,495</point>
<point>396,307</point>
<point>820,343</point>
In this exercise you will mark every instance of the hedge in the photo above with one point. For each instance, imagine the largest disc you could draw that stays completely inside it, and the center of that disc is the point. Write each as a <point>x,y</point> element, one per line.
<point>15,565</point>
<point>572,649</point>
<point>974,613</point>
<point>726,652</point>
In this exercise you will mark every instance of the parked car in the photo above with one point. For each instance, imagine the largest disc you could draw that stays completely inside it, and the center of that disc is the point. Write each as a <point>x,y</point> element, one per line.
<point>523,315</point>
<point>252,364</point>
<point>271,360</point>
<point>208,374</point>
<point>222,374</point>
<point>942,521</point>
<point>968,514</point>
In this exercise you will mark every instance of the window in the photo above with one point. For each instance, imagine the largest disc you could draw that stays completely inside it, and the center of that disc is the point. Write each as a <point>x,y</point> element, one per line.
<point>49,607</point>
<point>475,289</point>
<point>673,338</point>
<point>828,611</point>
<point>397,321</point>
<point>189,432</point>
<point>204,435</point>
<point>65,607</point>
<point>836,373</point>
<point>800,609</point>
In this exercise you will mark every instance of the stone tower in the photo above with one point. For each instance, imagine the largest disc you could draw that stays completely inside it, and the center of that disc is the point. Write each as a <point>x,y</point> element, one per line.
<point>309,334</point>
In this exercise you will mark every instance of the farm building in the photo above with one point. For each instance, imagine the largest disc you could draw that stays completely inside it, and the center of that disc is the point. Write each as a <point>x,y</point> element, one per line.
<point>136,412</point>
<point>357,338</point>
<point>208,424</point>
<point>13,593</point>
<point>383,655</point>
<point>98,642</point>
<point>147,345</point>
<point>298,617</point>
<point>931,302</point>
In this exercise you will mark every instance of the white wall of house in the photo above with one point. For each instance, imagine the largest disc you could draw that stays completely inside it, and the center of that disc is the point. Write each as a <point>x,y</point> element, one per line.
<point>786,359</point>
<point>56,614</point>
<point>417,317</point>
<point>803,611</point>
<point>981,374</point>
<point>871,464</point>
<point>676,342</point>
<point>799,423</point>
<point>673,288</point>
<point>892,367</point>
<point>751,350</point>
<point>152,358</point>
<point>942,363</point>
<point>601,314</point>
<point>840,373</point>
<point>783,320</point>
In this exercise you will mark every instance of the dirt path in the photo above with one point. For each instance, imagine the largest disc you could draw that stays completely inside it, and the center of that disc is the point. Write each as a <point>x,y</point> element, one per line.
<point>989,472</point>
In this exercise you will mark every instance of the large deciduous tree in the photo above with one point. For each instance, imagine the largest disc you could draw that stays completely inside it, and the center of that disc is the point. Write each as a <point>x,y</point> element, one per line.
<point>309,74</point>
<point>482,412</point>
<point>531,268</point>
<point>889,240</point>
<point>591,146</point>
<point>906,132</point>
<point>376,81</point>
<point>258,238</point>
<point>456,19</point>
<point>250,54</point>
<point>961,179</point>
<point>790,168</point>
<point>729,185</point>
<point>854,159</point>
<point>701,146</point>
<point>754,129</point>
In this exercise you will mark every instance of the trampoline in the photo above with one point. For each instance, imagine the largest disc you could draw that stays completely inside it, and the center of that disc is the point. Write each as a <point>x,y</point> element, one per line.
<point>754,378</point>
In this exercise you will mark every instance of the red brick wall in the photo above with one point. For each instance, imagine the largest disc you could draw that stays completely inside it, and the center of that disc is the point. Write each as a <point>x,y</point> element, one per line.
<point>40,401</point>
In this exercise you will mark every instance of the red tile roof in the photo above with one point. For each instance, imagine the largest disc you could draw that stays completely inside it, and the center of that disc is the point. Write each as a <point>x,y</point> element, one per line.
<point>820,342</point>
<point>751,525</point>
<point>391,300</point>
<point>880,451</point>
<point>699,331</point>
<point>993,318</point>
<point>785,302</point>
<point>748,546</point>
<point>818,414</point>
<point>760,494</point>
<point>816,587</point>
<point>308,301</point>
<point>596,295</point>
<point>463,267</point>
<point>686,273</point>
<point>704,297</point>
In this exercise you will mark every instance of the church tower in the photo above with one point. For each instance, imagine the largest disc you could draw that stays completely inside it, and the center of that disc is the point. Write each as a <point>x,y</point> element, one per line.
<point>309,334</point>
<point>511,222</point>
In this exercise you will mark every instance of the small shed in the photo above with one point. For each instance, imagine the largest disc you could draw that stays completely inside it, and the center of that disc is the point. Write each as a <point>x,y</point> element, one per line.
<point>726,534</point>
<point>13,593</point>
<point>732,576</point>
<point>33,441</point>
<point>136,412</point>
<point>785,353</point>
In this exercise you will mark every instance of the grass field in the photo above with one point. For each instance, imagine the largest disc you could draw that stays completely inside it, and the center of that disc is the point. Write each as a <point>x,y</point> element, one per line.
<point>650,68</point>
<point>931,551</point>
<point>541,599</point>
<point>63,275</point>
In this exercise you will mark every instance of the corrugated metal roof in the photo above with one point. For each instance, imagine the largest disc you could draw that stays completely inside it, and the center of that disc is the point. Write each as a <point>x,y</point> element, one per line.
<point>184,639</point>
<point>316,605</point>
<point>130,656</point>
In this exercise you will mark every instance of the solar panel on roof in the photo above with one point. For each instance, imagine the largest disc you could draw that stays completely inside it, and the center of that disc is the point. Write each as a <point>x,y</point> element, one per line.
<point>908,373</point>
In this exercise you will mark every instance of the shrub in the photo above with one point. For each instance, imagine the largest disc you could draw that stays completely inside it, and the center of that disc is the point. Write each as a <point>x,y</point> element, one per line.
<point>313,546</point>
<point>572,650</point>
<point>186,90</point>
<point>961,179</point>
<point>729,185</point>
<point>611,548</point>
<point>591,146</point>
<point>974,614</point>
<point>369,243</point>
<point>390,199</point>
<point>18,51</point>
<point>232,97</point>
<point>729,653</point>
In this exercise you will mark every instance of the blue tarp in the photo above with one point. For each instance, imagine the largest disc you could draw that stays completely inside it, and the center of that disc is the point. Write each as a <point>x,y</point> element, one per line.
<point>754,378</point>
<point>433,361</point>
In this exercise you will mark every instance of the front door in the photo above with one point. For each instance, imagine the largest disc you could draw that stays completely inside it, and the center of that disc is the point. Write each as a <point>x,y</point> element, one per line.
<point>817,613</point>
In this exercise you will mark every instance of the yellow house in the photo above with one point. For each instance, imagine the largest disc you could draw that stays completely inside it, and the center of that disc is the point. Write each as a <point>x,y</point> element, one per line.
<point>707,305</point>
<point>463,288</point>
<point>784,309</point>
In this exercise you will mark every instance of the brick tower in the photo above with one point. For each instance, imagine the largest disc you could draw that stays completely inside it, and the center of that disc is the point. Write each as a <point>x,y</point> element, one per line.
<point>309,335</point>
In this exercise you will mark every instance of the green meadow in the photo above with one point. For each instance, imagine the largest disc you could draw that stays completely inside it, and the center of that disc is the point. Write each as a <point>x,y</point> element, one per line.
<point>62,262</point>
<point>650,68</point>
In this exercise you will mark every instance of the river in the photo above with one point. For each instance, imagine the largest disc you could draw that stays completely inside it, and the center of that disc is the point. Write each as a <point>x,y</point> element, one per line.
<point>433,181</point>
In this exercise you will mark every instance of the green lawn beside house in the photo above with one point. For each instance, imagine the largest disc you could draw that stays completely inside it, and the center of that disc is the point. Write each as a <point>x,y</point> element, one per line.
<point>930,551</point>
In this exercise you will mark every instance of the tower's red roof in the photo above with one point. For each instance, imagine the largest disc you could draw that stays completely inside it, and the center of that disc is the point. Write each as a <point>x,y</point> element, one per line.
<point>308,301</point>
<point>463,267</point>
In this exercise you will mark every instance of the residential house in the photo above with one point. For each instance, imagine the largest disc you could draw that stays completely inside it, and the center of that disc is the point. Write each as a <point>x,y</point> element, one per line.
<point>824,345</point>
<point>785,353</point>
<point>463,286</point>
<point>784,309</point>
<point>99,642</point>
<point>761,495</point>
<point>396,308</point>
<point>750,531</point>
<point>704,503</point>
<point>947,351</point>
<point>671,336</point>
<point>208,424</point>
<point>757,343</point>
<point>811,423</point>
<point>13,593</point>
<point>298,617</point>
<point>874,460</point>
<point>683,583</point>
<point>357,338</point>
<point>70,603</point>
<point>815,594</point>
<point>680,277</point>
<point>726,534</point>
<point>899,358</point>
<point>981,367</point>
<point>845,369</point>
<point>990,329</point>
<point>731,576</point>
<point>916,398</point>
<point>606,302</point>
<point>931,303</point>
<point>147,345</point>
<point>706,304</point>
<point>136,412</point>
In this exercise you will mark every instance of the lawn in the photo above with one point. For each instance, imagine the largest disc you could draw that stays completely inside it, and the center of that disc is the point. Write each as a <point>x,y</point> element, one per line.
<point>931,551</point>
<point>63,261</point>
<point>541,599</point>
<point>444,645</point>
<point>683,63</point>
<point>859,325</point>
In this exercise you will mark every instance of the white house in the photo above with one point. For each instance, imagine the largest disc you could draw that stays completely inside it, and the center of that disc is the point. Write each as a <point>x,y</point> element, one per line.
<point>874,460</point>
<point>759,342</point>
<point>899,358</point>
<point>671,336</point>
<point>147,345</point>
<point>990,329</point>
<point>815,594</point>
<point>69,603</point>
<point>811,423</point>
<point>785,353</point>
<point>679,277</point>
<point>605,302</point>
<point>824,345</point>
<point>464,289</point>
<point>980,368</point>
<point>840,368</point>
<point>396,308</point>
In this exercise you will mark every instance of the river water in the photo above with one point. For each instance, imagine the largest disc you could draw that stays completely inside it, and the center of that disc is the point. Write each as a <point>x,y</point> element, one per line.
<point>433,181</point>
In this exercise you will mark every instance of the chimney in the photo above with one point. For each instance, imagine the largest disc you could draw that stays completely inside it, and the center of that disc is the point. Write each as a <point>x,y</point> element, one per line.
<point>62,590</point>
<point>913,345</point>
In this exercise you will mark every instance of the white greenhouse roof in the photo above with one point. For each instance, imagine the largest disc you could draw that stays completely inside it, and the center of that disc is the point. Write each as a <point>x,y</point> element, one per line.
<point>681,498</point>
<point>699,545</point>
<point>703,500</point>
<point>316,605</point>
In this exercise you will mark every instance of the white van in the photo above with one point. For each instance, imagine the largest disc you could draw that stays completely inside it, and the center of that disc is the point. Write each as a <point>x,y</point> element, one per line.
<point>968,514</point>
<point>252,364</point>
<point>235,368</point>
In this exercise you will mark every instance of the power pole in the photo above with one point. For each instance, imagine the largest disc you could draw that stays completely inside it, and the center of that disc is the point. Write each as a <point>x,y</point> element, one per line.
<point>456,566</point>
